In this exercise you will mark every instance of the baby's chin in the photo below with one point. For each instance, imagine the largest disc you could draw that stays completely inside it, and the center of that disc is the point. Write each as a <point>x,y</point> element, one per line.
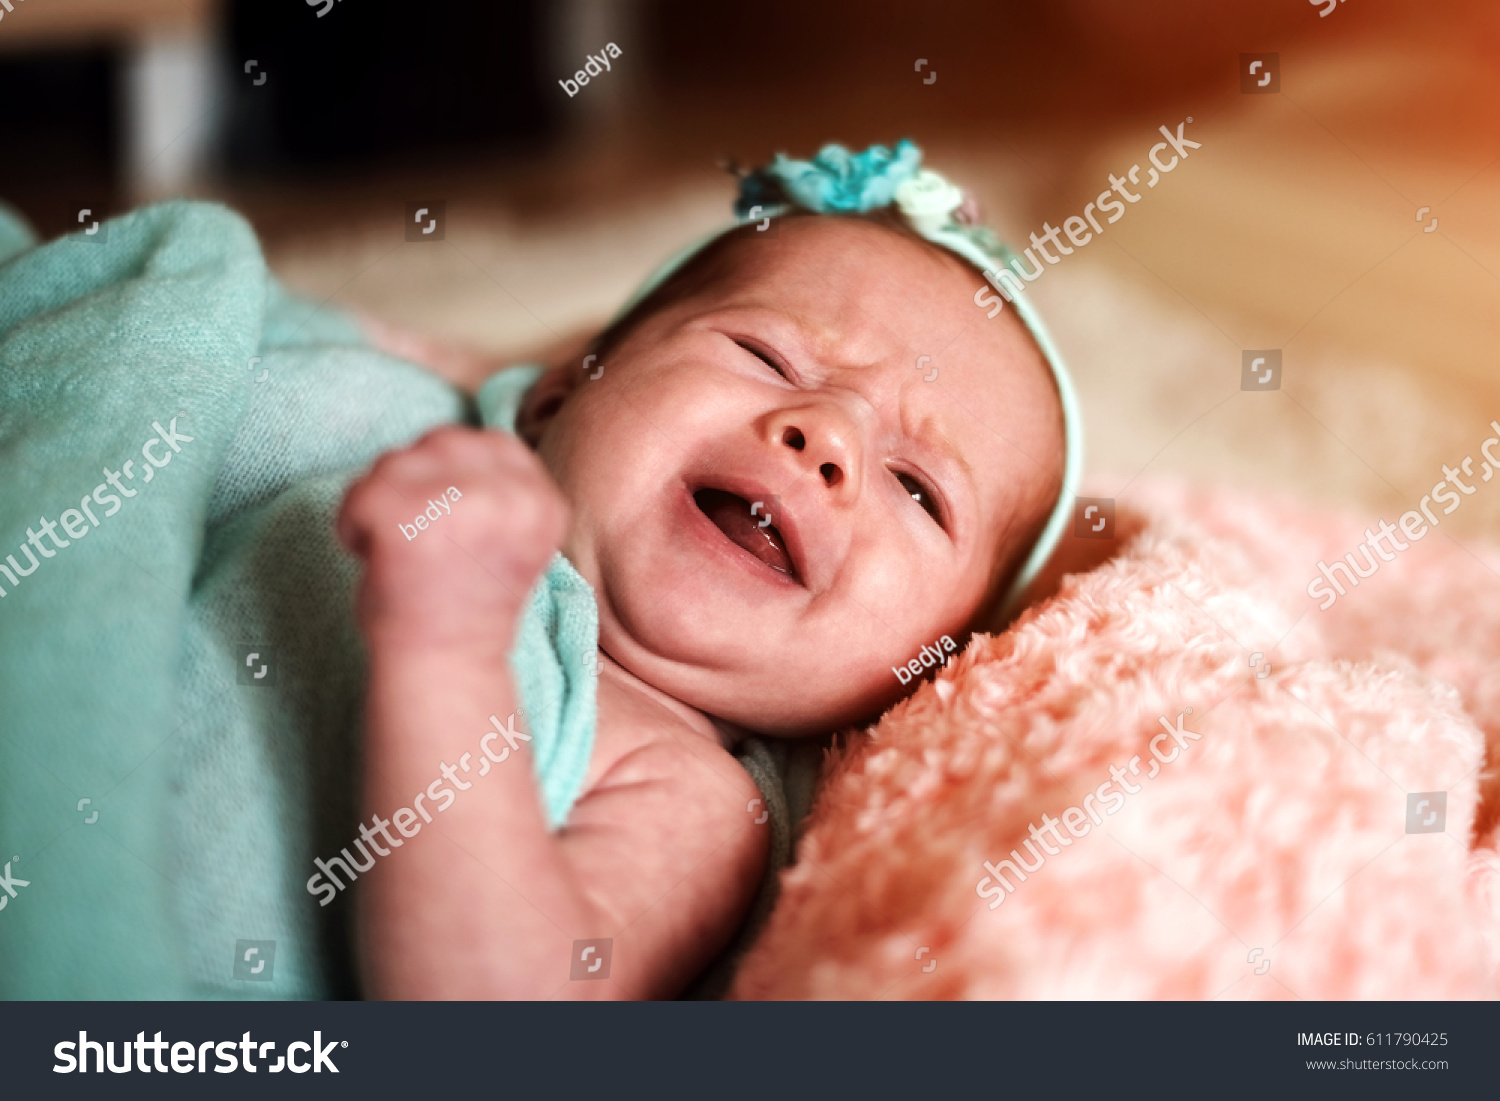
<point>797,695</point>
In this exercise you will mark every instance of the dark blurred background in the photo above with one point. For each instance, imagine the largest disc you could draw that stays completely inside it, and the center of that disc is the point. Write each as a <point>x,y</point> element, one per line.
<point>138,98</point>
<point>135,98</point>
<point>1305,222</point>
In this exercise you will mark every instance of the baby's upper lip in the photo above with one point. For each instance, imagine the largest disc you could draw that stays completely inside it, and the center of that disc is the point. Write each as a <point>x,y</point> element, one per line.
<point>782,517</point>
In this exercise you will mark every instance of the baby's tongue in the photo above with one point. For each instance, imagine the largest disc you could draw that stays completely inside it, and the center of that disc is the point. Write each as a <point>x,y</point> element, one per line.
<point>731,515</point>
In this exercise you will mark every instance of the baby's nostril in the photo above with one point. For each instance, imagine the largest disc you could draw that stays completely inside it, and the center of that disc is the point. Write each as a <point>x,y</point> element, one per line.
<point>832,475</point>
<point>794,439</point>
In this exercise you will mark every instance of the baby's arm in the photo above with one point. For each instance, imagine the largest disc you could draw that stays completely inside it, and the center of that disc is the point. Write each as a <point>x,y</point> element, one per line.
<point>485,901</point>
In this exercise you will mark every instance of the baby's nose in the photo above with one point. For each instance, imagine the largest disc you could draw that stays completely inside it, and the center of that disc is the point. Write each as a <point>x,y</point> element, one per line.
<point>824,440</point>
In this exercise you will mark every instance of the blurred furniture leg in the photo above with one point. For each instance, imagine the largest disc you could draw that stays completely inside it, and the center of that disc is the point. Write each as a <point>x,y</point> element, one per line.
<point>580,28</point>
<point>170,111</point>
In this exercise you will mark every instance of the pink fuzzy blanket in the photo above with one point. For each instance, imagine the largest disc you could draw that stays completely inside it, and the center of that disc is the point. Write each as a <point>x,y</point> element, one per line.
<point>1176,777</point>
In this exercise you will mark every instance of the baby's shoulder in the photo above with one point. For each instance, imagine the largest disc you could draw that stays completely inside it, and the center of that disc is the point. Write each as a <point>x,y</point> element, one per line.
<point>663,814</point>
<point>642,742</point>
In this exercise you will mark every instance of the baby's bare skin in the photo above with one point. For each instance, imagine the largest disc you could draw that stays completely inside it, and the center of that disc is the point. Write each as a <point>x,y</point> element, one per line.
<point>658,853</point>
<point>794,378</point>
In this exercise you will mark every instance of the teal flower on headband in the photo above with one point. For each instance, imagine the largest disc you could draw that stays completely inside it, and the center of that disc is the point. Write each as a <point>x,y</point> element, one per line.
<point>834,181</point>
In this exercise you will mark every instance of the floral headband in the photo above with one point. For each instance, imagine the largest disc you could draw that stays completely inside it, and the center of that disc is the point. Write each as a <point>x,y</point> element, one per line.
<point>839,182</point>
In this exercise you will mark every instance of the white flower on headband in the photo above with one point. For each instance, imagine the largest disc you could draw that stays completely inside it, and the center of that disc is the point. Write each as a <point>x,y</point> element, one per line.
<point>928,201</point>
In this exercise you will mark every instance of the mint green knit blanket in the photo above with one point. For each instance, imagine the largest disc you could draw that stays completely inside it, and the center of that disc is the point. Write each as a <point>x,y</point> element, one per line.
<point>181,678</point>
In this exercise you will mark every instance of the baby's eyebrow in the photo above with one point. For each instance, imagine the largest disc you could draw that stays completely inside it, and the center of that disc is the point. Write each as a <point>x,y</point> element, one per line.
<point>929,433</point>
<point>827,344</point>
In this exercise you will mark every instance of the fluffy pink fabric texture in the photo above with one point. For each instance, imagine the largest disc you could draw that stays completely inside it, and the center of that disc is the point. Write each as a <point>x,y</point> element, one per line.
<point>1270,858</point>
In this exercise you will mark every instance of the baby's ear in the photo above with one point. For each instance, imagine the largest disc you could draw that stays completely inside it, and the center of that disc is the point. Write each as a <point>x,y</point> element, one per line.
<point>544,399</point>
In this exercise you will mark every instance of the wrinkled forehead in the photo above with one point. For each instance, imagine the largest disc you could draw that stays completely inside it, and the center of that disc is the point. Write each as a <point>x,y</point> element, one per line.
<point>870,296</point>
<point>853,276</point>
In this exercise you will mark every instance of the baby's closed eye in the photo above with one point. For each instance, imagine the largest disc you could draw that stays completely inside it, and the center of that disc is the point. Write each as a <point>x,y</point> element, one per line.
<point>765,355</point>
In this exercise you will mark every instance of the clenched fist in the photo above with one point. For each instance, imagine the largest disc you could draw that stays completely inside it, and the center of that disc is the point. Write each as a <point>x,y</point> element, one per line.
<point>453,530</point>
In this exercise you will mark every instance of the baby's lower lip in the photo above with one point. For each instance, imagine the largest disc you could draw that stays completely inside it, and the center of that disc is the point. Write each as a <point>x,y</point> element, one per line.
<point>752,530</point>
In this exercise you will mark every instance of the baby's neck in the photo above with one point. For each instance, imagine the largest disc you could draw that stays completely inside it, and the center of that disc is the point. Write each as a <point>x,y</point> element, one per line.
<point>719,731</point>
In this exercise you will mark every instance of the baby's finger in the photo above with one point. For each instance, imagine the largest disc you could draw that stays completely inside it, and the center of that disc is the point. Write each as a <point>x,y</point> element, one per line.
<point>351,525</point>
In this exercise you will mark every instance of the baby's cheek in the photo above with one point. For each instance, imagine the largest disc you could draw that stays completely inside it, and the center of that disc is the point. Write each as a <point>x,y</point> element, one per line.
<point>925,599</point>
<point>620,467</point>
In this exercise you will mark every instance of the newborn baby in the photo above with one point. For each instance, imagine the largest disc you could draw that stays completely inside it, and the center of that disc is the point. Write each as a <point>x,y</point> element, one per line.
<point>771,376</point>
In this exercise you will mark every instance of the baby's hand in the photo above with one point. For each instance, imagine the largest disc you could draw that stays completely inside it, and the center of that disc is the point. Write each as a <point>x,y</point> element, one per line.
<point>461,577</point>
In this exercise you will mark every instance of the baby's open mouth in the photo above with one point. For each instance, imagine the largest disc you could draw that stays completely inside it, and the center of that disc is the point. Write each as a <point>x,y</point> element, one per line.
<point>755,532</point>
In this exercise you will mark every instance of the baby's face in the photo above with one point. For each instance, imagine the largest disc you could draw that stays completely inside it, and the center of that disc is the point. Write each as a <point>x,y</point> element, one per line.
<point>789,389</point>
